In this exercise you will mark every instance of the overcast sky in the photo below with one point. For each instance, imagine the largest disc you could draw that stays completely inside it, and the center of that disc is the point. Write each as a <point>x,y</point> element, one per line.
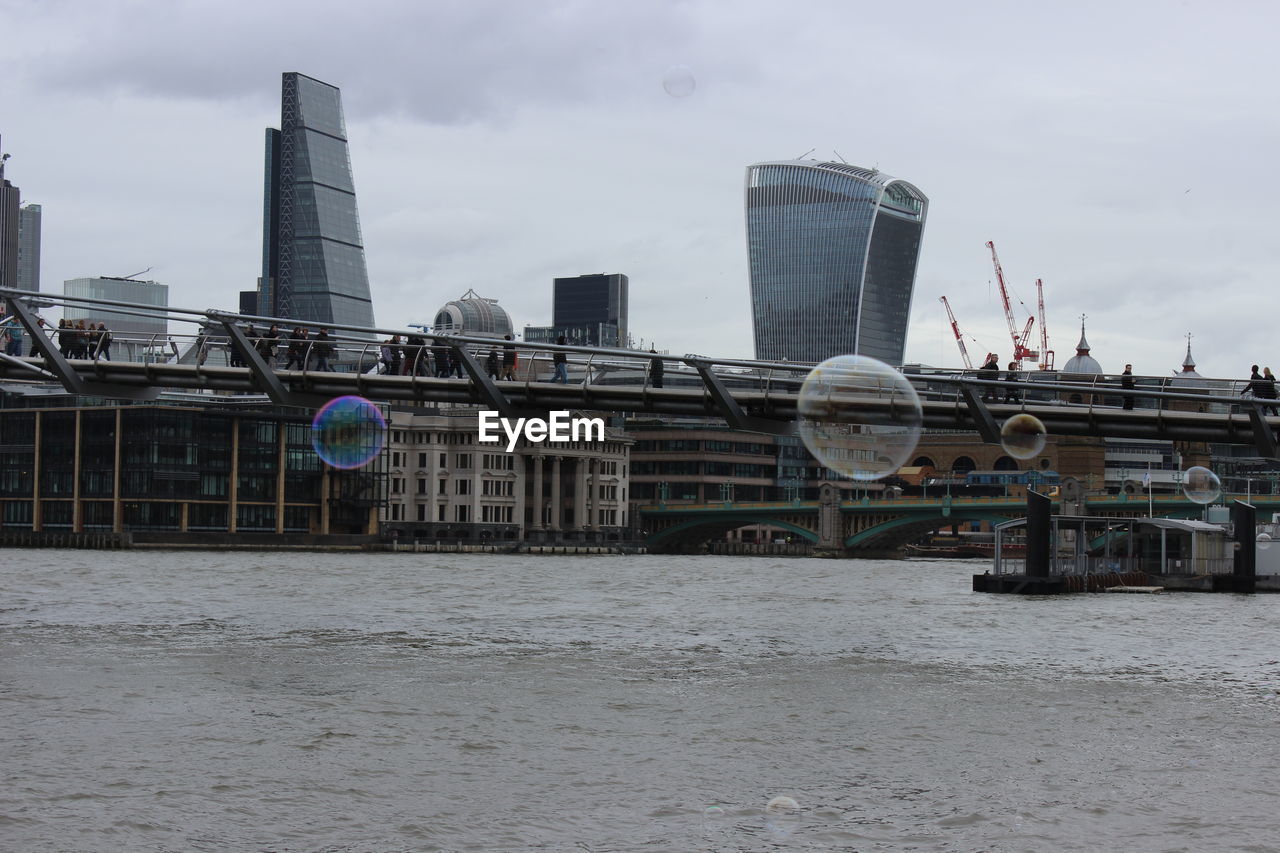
<point>1124,152</point>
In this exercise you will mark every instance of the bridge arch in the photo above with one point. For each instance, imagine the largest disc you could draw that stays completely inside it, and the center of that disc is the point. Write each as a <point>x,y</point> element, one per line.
<point>907,525</point>
<point>676,532</point>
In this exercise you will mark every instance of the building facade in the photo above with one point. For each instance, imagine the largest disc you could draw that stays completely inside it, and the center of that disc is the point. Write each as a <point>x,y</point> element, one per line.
<point>29,216</point>
<point>445,485</point>
<point>174,470</point>
<point>313,264</point>
<point>9,217</point>
<point>132,335</point>
<point>832,251</point>
<point>589,310</point>
<point>472,314</point>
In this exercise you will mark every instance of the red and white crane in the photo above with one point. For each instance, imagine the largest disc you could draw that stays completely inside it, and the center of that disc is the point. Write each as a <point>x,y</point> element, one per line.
<point>1046,354</point>
<point>1020,349</point>
<point>955,327</point>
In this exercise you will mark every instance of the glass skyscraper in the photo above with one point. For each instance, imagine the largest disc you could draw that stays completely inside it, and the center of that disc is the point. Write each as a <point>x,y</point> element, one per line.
<point>29,216</point>
<point>313,267</point>
<point>833,251</point>
<point>591,309</point>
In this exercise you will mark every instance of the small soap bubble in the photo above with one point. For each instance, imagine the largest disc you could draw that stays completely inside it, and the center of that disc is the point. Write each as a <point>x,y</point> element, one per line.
<point>1023,436</point>
<point>782,805</point>
<point>1200,485</point>
<point>678,81</point>
<point>1264,541</point>
<point>713,813</point>
<point>348,432</point>
<point>859,417</point>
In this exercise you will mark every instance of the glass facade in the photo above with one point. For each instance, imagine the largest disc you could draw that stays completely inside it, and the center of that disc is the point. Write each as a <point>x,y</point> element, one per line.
<point>313,266</point>
<point>586,302</point>
<point>832,251</point>
<point>122,325</point>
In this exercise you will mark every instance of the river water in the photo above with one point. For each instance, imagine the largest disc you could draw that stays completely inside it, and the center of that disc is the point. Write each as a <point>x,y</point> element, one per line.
<point>174,701</point>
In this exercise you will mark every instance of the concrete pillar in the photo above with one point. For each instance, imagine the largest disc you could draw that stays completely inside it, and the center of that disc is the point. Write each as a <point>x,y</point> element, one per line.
<point>593,497</point>
<point>538,523</point>
<point>557,501</point>
<point>234,483</point>
<point>77,512</point>
<point>117,507</point>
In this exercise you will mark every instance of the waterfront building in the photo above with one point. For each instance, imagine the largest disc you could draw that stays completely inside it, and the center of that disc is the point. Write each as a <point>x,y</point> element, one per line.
<point>445,485</point>
<point>132,335</point>
<point>29,216</point>
<point>177,471</point>
<point>313,264</point>
<point>472,314</point>
<point>832,252</point>
<point>589,310</point>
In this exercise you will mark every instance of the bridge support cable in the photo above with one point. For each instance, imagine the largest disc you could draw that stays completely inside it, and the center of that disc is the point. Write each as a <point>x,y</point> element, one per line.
<point>61,369</point>
<point>983,422</point>
<point>1263,438</point>
<point>22,365</point>
<point>731,410</point>
<point>484,386</point>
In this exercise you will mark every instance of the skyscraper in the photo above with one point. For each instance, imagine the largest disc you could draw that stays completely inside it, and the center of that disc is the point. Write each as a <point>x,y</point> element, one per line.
<point>591,309</point>
<point>9,200</point>
<point>832,251</point>
<point>313,265</point>
<point>29,247</point>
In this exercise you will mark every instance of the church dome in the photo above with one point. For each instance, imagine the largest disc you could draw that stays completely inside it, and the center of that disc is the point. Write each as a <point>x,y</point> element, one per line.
<point>1082,362</point>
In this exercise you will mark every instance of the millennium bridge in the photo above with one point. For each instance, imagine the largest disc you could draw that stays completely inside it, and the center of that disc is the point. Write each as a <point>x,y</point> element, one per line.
<point>750,395</point>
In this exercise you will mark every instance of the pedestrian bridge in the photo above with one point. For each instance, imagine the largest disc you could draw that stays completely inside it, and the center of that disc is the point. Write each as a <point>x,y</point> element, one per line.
<point>869,527</point>
<point>219,355</point>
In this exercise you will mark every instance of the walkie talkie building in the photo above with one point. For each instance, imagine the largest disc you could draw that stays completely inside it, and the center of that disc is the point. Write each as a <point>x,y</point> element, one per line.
<point>833,251</point>
<point>313,266</point>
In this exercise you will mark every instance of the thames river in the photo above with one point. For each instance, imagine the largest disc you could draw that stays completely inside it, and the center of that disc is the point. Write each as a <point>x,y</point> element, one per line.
<point>228,701</point>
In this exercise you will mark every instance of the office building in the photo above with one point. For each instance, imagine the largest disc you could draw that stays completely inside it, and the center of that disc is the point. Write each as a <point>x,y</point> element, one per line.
<point>175,472</point>
<point>589,310</point>
<point>313,266</point>
<point>29,247</point>
<point>832,250</point>
<point>132,335</point>
<point>9,203</point>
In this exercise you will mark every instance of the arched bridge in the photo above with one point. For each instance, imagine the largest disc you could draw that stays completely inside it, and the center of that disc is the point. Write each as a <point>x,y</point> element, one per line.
<point>878,527</point>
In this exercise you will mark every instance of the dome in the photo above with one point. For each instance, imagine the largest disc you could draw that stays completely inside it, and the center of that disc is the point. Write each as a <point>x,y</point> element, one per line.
<point>1082,362</point>
<point>471,314</point>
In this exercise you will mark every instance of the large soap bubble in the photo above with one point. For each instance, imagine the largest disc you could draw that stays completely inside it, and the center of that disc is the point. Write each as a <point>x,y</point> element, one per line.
<point>1201,485</point>
<point>1023,436</point>
<point>859,417</point>
<point>348,432</point>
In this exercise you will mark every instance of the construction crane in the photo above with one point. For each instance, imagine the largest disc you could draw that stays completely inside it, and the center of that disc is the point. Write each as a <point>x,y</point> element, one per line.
<point>1020,349</point>
<point>1046,354</point>
<point>955,327</point>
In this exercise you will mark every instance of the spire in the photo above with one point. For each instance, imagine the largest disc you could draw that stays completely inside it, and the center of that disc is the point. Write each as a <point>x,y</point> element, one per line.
<point>1188,363</point>
<point>1082,348</point>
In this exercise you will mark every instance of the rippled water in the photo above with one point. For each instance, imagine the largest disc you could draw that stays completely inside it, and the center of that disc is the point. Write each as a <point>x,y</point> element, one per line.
<point>333,702</point>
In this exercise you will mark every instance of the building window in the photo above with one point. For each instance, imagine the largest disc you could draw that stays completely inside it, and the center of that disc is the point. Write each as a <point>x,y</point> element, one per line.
<point>463,513</point>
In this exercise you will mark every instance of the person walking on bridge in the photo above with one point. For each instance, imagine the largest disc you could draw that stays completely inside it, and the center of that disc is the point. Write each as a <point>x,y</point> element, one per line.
<point>1126,384</point>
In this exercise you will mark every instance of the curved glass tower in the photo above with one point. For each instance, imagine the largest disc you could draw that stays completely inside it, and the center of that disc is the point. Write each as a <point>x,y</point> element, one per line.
<point>312,253</point>
<point>833,251</point>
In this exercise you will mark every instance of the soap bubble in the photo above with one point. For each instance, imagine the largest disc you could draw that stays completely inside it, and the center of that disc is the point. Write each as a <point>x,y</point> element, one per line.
<point>1023,436</point>
<point>678,81</point>
<point>1264,541</point>
<point>782,805</point>
<point>859,417</point>
<point>348,432</point>
<point>1201,485</point>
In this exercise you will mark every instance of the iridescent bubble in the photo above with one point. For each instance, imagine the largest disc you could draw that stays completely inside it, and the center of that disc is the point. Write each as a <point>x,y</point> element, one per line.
<point>1201,485</point>
<point>348,432</point>
<point>713,813</point>
<point>1023,436</point>
<point>859,417</point>
<point>679,82</point>
<point>1264,541</point>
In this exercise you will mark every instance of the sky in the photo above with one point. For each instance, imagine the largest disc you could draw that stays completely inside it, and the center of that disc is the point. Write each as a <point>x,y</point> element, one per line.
<point>1122,152</point>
